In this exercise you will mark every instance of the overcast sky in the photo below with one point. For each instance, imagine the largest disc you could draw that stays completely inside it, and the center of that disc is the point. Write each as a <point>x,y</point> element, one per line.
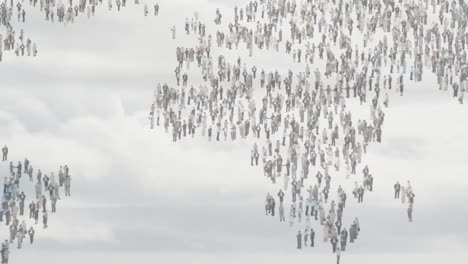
<point>138,196</point>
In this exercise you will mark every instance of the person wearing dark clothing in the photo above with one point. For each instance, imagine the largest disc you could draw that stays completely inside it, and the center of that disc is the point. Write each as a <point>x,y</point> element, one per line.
<point>26,165</point>
<point>22,197</point>
<point>360,194</point>
<point>281,196</point>
<point>5,153</point>
<point>397,188</point>
<point>371,182</point>
<point>31,234</point>
<point>344,238</point>
<point>7,217</point>
<point>312,237</point>
<point>36,215</point>
<point>334,242</point>
<point>32,209</point>
<point>299,240</point>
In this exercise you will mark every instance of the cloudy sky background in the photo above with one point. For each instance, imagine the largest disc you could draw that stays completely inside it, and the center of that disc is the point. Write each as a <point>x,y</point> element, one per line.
<point>139,197</point>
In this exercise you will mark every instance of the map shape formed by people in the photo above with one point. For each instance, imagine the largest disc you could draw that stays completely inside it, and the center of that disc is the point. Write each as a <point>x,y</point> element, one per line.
<point>314,97</point>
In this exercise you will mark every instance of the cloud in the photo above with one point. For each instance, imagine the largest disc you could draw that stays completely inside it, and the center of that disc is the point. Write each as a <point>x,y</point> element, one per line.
<point>139,197</point>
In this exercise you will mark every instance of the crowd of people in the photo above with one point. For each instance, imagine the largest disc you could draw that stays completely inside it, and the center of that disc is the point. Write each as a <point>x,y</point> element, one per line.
<point>299,118</point>
<point>14,40</point>
<point>306,122</point>
<point>11,39</point>
<point>47,193</point>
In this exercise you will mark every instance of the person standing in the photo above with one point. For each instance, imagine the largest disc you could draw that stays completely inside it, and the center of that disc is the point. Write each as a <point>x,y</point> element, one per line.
<point>334,242</point>
<point>26,165</point>
<point>36,215</point>
<point>31,235</point>
<point>19,169</point>
<point>306,236</point>
<point>397,188</point>
<point>5,251</point>
<point>5,153</point>
<point>360,194</point>
<point>30,173</point>
<point>53,200</point>
<point>281,196</point>
<point>299,239</point>
<point>410,213</point>
<point>281,213</point>
<point>344,239</point>
<point>151,116</point>
<point>20,236</point>
<point>22,197</point>
<point>403,196</point>
<point>32,209</point>
<point>45,219</point>
<point>67,185</point>
<point>338,255</point>
<point>13,232</point>
<point>312,237</point>
<point>156,9</point>
<point>173,30</point>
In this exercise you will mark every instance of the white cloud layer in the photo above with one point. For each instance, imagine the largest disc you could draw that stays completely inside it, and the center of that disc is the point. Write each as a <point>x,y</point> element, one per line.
<point>138,197</point>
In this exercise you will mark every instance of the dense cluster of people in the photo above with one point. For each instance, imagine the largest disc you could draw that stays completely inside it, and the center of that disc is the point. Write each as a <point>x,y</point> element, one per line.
<point>14,40</point>
<point>48,189</point>
<point>361,51</point>
<point>306,121</point>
